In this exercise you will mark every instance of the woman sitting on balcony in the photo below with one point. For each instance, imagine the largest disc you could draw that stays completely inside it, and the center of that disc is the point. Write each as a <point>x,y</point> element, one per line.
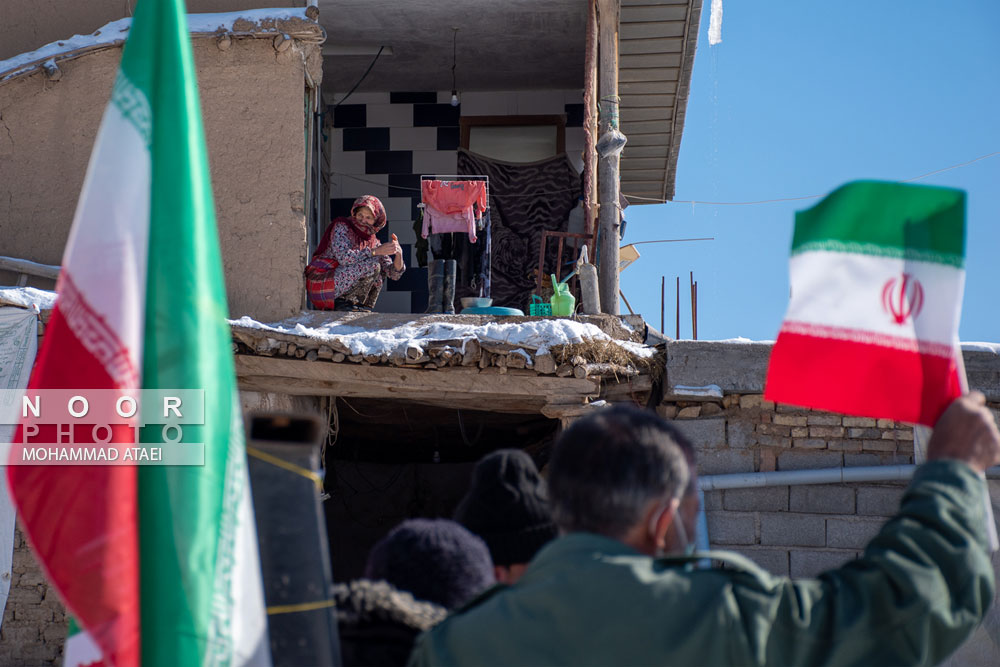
<point>347,268</point>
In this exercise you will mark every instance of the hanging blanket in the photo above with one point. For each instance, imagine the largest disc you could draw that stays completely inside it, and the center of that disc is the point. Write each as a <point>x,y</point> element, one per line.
<point>525,200</point>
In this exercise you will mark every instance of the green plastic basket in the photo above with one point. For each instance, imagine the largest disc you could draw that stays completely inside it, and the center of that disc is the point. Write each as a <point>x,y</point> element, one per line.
<point>538,308</point>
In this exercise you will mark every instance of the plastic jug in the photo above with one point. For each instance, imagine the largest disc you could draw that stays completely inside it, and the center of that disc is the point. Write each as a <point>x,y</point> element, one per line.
<point>563,303</point>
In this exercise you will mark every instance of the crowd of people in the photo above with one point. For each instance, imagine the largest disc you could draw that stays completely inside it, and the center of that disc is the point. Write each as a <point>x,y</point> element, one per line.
<point>595,565</point>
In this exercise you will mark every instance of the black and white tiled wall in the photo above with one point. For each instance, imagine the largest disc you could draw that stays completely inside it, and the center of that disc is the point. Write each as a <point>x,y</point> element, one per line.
<point>381,143</point>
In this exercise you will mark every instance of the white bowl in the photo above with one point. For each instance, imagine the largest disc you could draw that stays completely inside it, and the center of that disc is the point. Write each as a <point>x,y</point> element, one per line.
<point>476,302</point>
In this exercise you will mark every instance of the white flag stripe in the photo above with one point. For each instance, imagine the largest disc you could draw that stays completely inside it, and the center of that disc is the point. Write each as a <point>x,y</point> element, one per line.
<point>106,247</point>
<point>864,292</point>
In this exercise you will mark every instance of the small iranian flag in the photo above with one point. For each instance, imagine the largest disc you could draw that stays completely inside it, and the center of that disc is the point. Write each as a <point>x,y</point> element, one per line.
<point>877,273</point>
<point>158,564</point>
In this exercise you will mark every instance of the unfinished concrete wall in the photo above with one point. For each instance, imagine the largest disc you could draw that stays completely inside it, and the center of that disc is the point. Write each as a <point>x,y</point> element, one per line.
<point>29,24</point>
<point>253,105</point>
<point>800,530</point>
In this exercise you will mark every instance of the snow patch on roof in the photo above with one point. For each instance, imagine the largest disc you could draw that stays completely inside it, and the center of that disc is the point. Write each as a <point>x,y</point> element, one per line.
<point>116,31</point>
<point>27,297</point>
<point>539,335</point>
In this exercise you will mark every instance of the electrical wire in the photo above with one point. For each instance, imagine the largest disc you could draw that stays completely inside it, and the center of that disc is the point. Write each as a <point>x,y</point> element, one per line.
<point>363,76</point>
<point>784,199</point>
<point>680,201</point>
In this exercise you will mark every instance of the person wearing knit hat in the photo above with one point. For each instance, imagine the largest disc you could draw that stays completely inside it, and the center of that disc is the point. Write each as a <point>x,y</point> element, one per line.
<point>436,560</point>
<point>508,506</point>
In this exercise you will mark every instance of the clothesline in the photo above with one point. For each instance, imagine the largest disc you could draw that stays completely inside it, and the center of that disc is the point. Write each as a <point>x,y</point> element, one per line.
<point>691,201</point>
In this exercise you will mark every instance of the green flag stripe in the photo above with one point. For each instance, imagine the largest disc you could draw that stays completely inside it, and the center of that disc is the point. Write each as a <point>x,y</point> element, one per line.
<point>133,105</point>
<point>899,220</point>
<point>183,510</point>
<point>911,254</point>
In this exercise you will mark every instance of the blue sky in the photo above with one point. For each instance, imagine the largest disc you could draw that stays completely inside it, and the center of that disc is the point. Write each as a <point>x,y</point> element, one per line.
<point>799,98</point>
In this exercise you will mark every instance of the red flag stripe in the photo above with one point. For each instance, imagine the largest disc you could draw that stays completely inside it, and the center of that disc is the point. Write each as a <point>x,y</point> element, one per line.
<point>93,560</point>
<point>845,376</point>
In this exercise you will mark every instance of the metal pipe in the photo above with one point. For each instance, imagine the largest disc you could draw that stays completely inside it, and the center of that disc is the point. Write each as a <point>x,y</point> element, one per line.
<point>817,476</point>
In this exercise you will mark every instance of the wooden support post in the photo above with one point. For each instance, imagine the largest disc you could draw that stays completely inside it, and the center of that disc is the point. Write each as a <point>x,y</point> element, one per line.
<point>608,185</point>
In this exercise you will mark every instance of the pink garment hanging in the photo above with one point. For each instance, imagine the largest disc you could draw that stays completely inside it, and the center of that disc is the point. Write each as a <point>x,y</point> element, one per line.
<point>436,222</point>
<point>453,196</point>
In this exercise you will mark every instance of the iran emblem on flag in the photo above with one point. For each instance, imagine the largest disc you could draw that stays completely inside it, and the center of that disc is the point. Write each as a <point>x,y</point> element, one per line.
<point>877,274</point>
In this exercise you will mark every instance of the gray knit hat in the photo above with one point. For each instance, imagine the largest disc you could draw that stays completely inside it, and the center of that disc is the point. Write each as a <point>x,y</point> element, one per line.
<point>508,506</point>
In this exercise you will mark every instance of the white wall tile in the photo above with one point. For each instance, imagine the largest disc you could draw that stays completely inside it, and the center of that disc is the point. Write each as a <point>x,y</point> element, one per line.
<point>347,162</point>
<point>403,229</point>
<point>397,208</point>
<point>573,96</point>
<point>495,103</point>
<point>575,139</point>
<point>373,184</point>
<point>435,162</point>
<point>540,102</point>
<point>392,302</point>
<point>390,115</point>
<point>413,138</point>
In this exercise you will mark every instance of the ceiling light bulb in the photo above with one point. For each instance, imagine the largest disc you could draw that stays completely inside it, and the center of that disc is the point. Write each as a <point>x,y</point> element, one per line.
<point>454,98</point>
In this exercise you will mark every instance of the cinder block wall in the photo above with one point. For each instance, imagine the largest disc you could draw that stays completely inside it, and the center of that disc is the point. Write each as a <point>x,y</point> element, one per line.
<point>796,530</point>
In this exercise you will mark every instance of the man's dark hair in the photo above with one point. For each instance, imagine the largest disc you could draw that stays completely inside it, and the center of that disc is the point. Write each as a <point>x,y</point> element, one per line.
<point>608,466</point>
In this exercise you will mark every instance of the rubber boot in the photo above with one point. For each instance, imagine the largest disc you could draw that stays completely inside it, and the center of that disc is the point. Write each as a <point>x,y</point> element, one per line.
<point>435,285</point>
<point>450,269</point>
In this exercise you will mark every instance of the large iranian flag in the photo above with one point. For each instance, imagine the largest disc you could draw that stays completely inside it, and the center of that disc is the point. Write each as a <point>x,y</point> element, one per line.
<point>877,273</point>
<point>158,564</point>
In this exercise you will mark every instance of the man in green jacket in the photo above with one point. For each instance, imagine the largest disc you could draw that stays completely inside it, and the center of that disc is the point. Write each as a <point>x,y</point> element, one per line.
<point>622,494</point>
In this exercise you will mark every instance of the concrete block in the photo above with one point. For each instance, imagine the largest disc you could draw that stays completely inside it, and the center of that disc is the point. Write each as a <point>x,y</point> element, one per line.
<point>690,412</point>
<point>722,461</point>
<point>736,368</point>
<point>800,432</point>
<point>774,441</point>
<point>806,564</point>
<point>774,429</point>
<point>666,411</point>
<point>851,533</point>
<point>740,434</point>
<point>708,409</point>
<point>750,401</point>
<point>774,561</point>
<point>983,369</point>
<point>36,615</point>
<point>864,433</point>
<point>809,443</point>
<point>703,433</point>
<point>885,423</point>
<point>824,420</point>
<point>730,528</point>
<point>765,499</point>
<point>826,431</point>
<point>879,445</point>
<point>862,422</point>
<point>805,460</point>
<point>713,500</point>
<point>879,500</point>
<point>799,530</point>
<point>822,499</point>
<point>790,420</point>
<point>861,460</point>
<point>844,445</point>
<point>786,409</point>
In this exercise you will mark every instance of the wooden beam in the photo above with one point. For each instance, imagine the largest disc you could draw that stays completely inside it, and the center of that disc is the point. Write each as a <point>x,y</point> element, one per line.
<point>609,219</point>
<point>454,386</point>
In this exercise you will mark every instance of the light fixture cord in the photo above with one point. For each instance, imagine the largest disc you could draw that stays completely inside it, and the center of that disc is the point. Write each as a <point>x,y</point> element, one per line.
<point>454,57</point>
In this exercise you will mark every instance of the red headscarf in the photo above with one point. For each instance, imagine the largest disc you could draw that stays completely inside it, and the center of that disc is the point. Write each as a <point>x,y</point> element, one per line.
<point>364,236</point>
